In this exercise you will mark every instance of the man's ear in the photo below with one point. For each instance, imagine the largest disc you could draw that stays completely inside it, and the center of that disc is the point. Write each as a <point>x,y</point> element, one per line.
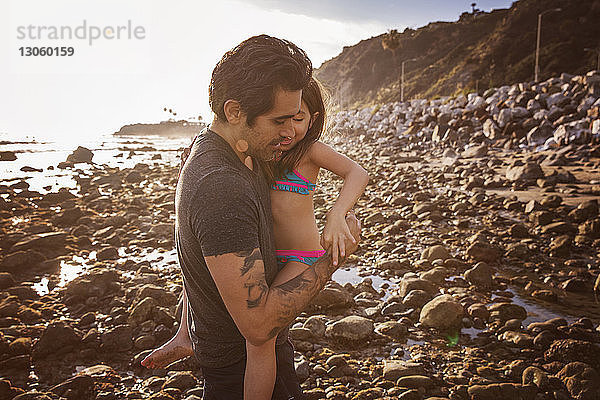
<point>233,111</point>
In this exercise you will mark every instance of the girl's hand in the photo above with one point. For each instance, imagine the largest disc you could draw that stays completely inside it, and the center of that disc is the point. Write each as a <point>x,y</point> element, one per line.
<point>335,233</point>
<point>185,154</point>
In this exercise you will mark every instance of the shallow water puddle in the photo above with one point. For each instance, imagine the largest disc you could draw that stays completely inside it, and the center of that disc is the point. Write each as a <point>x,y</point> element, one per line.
<point>536,311</point>
<point>162,258</point>
<point>69,270</point>
<point>350,275</point>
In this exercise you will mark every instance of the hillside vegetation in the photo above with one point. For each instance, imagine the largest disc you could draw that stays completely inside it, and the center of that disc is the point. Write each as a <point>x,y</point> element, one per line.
<point>478,51</point>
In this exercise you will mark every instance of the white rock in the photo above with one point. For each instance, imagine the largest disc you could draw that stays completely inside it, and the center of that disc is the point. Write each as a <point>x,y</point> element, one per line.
<point>596,127</point>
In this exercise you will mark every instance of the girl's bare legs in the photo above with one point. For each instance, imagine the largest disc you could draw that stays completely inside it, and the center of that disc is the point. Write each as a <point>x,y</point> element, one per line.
<point>178,347</point>
<point>291,270</point>
<point>261,363</point>
<point>261,370</point>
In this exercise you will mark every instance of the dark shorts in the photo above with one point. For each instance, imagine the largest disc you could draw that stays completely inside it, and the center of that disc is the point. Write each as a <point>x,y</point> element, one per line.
<point>227,383</point>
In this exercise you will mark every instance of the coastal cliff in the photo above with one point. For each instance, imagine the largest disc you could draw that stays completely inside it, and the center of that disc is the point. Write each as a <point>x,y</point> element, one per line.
<point>479,51</point>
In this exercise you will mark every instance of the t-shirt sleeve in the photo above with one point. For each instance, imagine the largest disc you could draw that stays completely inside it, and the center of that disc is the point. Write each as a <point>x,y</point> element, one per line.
<point>225,215</point>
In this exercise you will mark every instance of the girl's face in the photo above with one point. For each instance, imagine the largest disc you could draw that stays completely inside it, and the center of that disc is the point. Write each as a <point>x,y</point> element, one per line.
<point>301,123</point>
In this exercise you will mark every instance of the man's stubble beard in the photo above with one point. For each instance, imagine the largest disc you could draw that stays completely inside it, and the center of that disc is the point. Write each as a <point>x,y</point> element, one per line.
<point>255,148</point>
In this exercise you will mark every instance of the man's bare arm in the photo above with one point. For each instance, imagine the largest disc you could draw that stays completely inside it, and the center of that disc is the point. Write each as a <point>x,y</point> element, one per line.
<point>261,312</point>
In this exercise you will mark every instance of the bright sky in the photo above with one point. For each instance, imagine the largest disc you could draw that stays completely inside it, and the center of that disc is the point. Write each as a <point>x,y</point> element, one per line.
<point>112,82</point>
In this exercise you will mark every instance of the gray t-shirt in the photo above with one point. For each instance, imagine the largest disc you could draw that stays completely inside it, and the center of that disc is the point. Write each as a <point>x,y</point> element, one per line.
<point>221,207</point>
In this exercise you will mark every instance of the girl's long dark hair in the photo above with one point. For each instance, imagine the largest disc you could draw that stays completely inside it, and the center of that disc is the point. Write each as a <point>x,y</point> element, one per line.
<point>314,97</point>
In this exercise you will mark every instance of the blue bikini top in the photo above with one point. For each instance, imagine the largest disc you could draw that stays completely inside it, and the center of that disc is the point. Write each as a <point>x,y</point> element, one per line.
<point>294,182</point>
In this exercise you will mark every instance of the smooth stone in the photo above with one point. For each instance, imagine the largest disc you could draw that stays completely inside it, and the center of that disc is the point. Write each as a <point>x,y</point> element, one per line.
<point>394,369</point>
<point>350,329</point>
<point>442,313</point>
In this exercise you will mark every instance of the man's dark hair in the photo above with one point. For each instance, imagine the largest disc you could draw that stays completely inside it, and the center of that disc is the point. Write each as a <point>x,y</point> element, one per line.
<point>252,71</point>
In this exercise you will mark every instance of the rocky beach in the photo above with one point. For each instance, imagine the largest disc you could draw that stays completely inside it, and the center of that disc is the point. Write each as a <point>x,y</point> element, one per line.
<point>477,278</point>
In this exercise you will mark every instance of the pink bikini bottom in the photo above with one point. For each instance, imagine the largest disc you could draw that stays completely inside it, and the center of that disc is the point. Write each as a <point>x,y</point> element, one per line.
<point>305,257</point>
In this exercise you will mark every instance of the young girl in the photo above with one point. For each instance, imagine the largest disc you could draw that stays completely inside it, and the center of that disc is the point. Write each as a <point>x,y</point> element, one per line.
<point>293,178</point>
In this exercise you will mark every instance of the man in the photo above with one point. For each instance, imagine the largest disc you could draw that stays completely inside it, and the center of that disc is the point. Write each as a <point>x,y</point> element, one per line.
<point>223,219</point>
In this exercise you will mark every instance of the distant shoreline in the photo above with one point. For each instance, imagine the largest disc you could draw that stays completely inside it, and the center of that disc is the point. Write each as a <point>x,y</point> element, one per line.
<point>180,128</point>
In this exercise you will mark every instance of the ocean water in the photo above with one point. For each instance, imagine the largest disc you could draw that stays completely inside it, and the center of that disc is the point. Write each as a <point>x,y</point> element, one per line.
<point>110,151</point>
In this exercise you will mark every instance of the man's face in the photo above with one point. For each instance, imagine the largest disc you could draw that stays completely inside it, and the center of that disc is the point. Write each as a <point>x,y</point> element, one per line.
<point>270,129</point>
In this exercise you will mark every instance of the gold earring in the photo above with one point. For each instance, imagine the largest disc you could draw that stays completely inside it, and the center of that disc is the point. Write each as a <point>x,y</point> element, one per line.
<point>241,146</point>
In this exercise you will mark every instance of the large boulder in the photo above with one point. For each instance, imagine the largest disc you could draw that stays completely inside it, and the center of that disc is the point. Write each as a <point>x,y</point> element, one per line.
<point>21,261</point>
<point>332,297</point>
<point>557,99</point>
<point>78,387</point>
<point>142,311</point>
<point>504,117</point>
<point>58,338</point>
<point>483,251</point>
<point>416,299</point>
<point>570,350</point>
<point>352,329</point>
<point>491,130</point>
<point>42,241</point>
<point>443,313</point>
<point>497,391</point>
<point>162,296</point>
<point>436,252</point>
<point>80,155</point>
<point>475,151</point>
<point>316,325</point>
<point>183,381</point>
<point>7,156</point>
<point>480,275</point>
<point>506,311</point>
<point>118,338</point>
<point>393,329</point>
<point>539,134</point>
<point>527,172</point>
<point>407,285</point>
<point>581,380</point>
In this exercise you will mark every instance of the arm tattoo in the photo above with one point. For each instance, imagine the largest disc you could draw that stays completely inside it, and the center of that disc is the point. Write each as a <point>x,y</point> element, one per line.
<point>296,284</point>
<point>255,281</point>
<point>244,253</point>
<point>294,295</point>
<point>249,259</point>
<point>256,292</point>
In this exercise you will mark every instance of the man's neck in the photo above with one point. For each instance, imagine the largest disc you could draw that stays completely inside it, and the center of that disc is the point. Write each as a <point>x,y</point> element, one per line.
<point>230,136</point>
